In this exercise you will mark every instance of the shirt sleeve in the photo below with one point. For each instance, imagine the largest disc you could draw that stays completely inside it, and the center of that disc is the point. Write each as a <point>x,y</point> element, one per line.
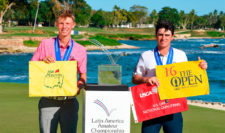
<point>180,56</point>
<point>82,64</point>
<point>140,67</point>
<point>185,57</point>
<point>38,53</point>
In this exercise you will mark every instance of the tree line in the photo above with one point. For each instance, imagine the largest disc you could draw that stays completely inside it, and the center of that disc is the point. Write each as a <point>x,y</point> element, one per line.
<point>24,11</point>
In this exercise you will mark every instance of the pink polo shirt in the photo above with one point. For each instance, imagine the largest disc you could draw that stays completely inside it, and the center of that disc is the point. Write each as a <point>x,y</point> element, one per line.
<point>47,48</point>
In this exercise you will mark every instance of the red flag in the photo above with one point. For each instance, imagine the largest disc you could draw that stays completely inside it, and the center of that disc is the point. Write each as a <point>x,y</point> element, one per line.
<point>147,105</point>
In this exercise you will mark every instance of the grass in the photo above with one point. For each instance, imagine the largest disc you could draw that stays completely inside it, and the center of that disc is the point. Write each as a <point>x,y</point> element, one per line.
<point>215,34</point>
<point>28,34</point>
<point>203,120</point>
<point>105,40</point>
<point>102,39</point>
<point>51,31</point>
<point>94,30</point>
<point>27,31</point>
<point>107,36</point>
<point>88,33</point>
<point>19,114</point>
<point>84,43</point>
<point>185,32</point>
<point>31,43</point>
<point>203,33</point>
<point>130,36</point>
<point>77,37</point>
<point>207,33</point>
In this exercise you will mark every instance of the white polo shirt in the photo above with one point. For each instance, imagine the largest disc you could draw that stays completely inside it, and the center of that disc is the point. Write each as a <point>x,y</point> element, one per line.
<point>147,64</point>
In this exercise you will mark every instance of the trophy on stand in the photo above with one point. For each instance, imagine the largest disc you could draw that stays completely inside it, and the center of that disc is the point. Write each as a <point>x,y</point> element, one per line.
<point>108,74</point>
<point>107,104</point>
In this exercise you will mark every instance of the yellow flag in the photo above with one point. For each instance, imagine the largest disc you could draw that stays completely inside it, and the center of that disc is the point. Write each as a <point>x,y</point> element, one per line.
<point>54,79</point>
<point>182,80</point>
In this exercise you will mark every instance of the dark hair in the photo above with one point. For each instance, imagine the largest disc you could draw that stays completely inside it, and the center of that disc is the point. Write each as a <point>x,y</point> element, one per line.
<point>164,24</point>
<point>65,14</point>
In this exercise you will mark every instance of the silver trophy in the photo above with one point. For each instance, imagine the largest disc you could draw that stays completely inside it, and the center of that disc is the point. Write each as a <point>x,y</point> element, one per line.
<point>108,74</point>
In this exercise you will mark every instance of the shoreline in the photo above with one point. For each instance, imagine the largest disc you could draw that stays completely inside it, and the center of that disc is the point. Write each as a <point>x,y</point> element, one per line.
<point>122,46</point>
<point>207,37</point>
<point>14,49</point>
<point>176,38</point>
<point>25,49</point>
<point>211,105</point>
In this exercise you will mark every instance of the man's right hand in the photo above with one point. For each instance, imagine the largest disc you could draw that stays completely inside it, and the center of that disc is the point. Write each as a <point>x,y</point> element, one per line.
<point>153,81</point>
<point>138,79</point>
<point>49,59</point>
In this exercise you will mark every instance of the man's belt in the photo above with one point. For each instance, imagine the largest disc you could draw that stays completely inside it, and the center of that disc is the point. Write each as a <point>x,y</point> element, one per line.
<point>61,97</point>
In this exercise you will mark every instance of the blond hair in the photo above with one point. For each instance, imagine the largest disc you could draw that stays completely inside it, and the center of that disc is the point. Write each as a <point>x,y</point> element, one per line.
<point>65,14</point>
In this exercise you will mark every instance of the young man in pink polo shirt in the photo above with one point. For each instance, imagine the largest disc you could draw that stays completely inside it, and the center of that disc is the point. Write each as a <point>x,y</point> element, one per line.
<point>63,110</point>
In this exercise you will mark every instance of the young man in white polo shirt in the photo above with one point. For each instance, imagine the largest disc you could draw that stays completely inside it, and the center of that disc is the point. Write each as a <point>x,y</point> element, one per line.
<point>145,73</point>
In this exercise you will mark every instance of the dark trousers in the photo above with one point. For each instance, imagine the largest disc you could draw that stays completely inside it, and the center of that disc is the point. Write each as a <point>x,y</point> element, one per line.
<point>52,112</point>
<point>170,123</point>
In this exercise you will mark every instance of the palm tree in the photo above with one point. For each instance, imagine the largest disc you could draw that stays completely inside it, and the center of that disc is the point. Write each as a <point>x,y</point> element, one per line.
<point>215,14</point>
<point>192,17</point>
<point>35,20</point>
<point>154,16</point>
<point>4,6</point>
<point>183,19</point>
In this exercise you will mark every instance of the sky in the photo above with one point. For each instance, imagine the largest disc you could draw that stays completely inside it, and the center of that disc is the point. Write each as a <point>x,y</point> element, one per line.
<point>201,7</point>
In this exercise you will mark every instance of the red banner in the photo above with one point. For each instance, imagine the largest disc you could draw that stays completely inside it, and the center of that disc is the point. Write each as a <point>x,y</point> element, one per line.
<point>147,105</point>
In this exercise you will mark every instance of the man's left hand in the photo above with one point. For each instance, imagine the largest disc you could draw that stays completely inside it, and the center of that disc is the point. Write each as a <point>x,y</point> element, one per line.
<point>80,85</point>
<point>203,64</point>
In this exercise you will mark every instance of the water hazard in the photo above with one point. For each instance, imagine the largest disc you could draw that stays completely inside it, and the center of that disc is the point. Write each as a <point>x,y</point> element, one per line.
<point>14,67</point>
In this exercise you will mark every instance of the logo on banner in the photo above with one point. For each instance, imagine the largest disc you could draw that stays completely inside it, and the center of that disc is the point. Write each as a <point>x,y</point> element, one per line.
<point>53,79</point>
<point>102,105</point>
<point>183,79</point>
<point>148,93</point>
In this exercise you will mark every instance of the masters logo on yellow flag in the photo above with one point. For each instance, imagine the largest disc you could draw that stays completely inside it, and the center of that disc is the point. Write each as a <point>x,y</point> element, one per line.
<point>54,79</point>
<point>182,80</point>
